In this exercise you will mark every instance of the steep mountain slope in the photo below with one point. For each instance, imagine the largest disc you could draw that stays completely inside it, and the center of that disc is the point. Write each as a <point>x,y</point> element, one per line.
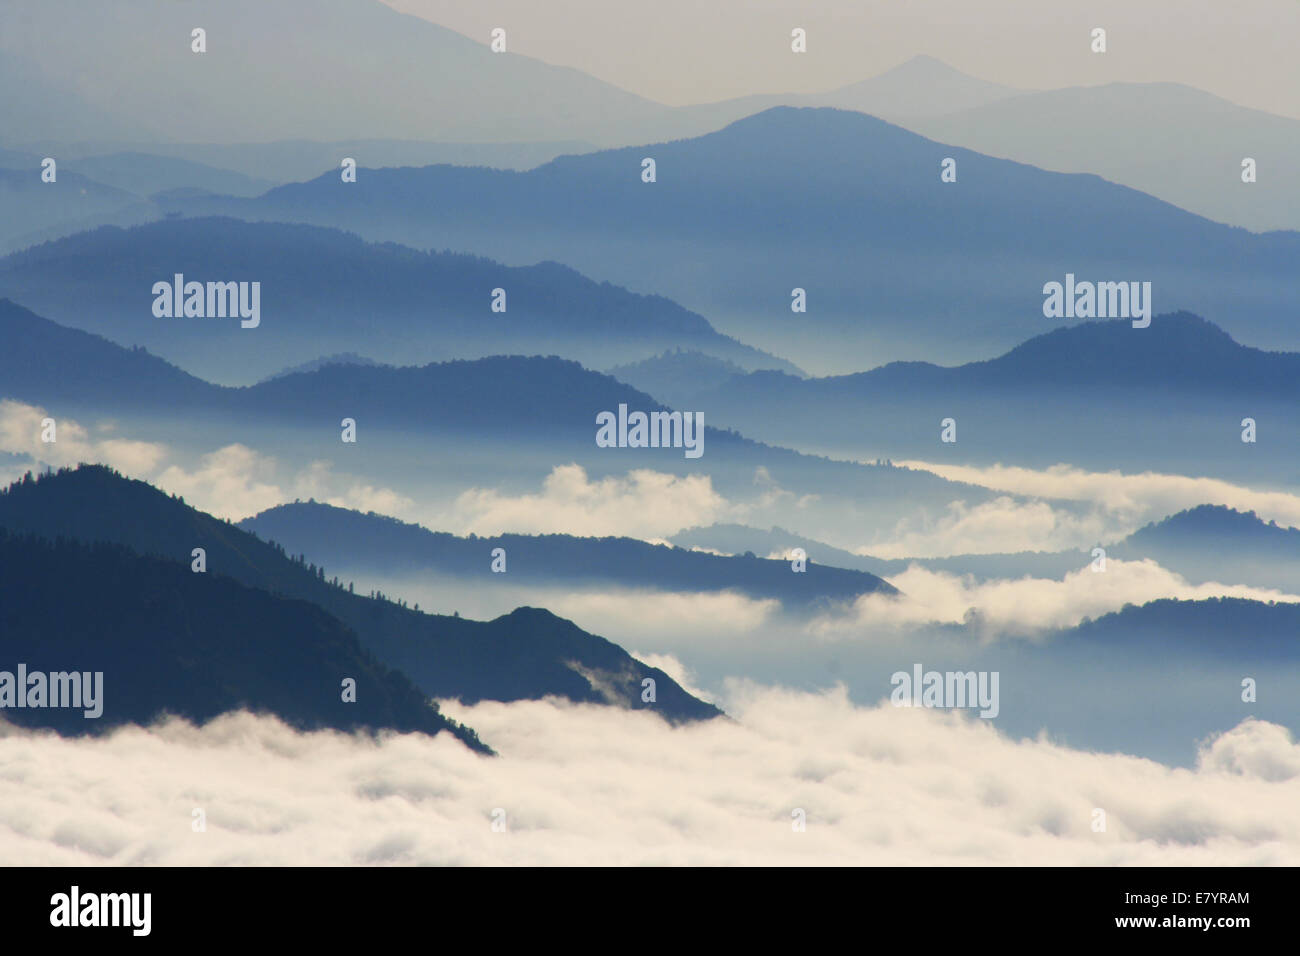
<point>170,641</point>
<point>524,655</point>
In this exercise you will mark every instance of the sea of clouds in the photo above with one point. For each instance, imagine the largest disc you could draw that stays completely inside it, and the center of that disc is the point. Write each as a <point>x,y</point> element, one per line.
<point>589,785</point>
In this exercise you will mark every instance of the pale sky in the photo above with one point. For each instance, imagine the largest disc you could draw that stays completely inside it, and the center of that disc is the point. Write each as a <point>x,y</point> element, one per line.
<point>694,51</point>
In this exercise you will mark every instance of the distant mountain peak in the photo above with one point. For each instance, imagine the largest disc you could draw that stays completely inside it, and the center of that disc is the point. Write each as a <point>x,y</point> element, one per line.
<point>1171,327</point>
<point>925,65</point>
<point>1215,520</point>
<point>918,86</point>
<point>1179,348</point>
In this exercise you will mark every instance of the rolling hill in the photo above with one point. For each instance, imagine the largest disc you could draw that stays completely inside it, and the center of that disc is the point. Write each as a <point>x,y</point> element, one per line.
<point>323,290</point>
<point>1100,394</point>
<point>509,419</point>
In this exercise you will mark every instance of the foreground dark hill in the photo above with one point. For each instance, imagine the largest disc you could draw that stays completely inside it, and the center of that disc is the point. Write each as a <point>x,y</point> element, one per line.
<point>322,291</point>
<point>385,545</point>
<point>895,263</point>
<point>527,654</point>
<point>170,641</point>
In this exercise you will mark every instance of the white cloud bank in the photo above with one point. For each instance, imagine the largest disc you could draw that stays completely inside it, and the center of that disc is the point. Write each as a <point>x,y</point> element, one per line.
<point>21,430</point>
<point>1025,606</point>
<point>1000,526</point>
<point>1113,504</point>
<point>642,504</point>
<point>586,785</point>
<point>236,481</point>
<point>232,482</point>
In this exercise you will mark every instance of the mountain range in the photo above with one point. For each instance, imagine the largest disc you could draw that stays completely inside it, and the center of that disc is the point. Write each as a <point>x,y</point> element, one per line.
<point>97,86</point>
<point>323,289</point>
<point>1171,397</point>
<point>894,262</point>
<point>95,89</point>
<point>534,412</point>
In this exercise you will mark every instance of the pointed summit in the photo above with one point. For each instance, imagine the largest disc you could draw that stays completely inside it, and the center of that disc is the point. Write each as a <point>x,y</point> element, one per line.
<point>921,86</point>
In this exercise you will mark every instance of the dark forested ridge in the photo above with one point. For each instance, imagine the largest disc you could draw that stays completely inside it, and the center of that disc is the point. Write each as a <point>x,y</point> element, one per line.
<point>1234,629</point>
<point>528,654</point>
<point>377,542</point>
<point>171,641</point>
<point>1219,527</point>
